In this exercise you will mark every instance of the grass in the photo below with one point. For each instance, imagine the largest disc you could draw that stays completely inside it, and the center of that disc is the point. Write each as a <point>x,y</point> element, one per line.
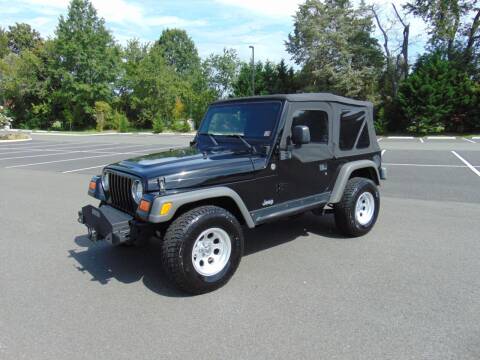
<point>18,136</point>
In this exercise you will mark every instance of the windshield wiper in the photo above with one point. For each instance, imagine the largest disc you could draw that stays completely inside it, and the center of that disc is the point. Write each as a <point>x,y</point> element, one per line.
<point>245,142</point>
<point>211,137</point>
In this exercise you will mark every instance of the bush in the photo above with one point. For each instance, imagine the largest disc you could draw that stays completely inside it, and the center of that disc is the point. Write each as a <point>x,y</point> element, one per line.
<point>103,115</point>
<point>438,96</point>
<point>180,126</point>
<point>16,136</point>
<point>57,125</point>
<point>4,120</point>
<point>381,122</point>
<point>120,122</point>
<point>158,125</point>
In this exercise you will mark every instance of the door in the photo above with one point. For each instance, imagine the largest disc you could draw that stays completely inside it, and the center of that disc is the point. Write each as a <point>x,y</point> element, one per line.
<point>305,170</point>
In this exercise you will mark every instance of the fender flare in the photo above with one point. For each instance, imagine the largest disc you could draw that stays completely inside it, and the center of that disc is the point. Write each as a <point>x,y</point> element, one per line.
<point>188,197</point>
<point>344,175</point>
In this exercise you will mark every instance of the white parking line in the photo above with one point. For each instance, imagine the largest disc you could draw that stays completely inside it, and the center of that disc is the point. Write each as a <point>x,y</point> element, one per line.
<point>401,137</point>
<point>87,168</point>
<point>383,152</point>
<point>379,139</point>
<point>425,165</point>
<point>92,148</point>
<point>59,147</point>
<point>101,166</point>
<point>47,145</point>
<point>74,159</point>
<point>44,150</point>
<point>469,140</point>
<point>148,150</point>
<point>421,140</point>
<point>58,161</point>
<point>470,166</point>
<point>64,152</point>
<point>60,153</point>
<point>441,137</point>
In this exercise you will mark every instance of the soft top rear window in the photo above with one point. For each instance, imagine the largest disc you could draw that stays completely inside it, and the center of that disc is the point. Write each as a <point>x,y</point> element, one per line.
<point>350,125</point>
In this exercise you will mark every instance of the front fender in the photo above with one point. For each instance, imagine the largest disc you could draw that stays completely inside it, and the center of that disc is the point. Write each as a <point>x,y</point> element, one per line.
<point>178,200</point>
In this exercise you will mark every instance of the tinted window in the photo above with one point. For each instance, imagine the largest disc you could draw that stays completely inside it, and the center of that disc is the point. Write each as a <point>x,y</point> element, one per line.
<point>317,122</point>
<point>252,120</point>
<point>350,125</point>
<point>364,140</point>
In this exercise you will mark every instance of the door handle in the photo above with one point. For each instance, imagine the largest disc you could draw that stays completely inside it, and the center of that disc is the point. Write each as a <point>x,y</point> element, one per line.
<point>323,167</point>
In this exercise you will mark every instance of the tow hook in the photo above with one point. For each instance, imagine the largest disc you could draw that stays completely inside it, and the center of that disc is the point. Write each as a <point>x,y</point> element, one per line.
<point>80,218</point>
<point>92,234</point>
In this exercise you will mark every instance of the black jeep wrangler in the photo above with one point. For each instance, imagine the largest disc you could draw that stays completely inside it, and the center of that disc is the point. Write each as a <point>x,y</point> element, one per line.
<point>252,161</point>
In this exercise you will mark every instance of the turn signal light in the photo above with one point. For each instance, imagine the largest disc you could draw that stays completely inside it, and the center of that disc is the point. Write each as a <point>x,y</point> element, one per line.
<point>144,206</point>
<point>93,185</point>
<point>165,208</point>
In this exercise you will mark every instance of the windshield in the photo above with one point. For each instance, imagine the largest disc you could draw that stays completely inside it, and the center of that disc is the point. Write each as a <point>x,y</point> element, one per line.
<point>253,120</point>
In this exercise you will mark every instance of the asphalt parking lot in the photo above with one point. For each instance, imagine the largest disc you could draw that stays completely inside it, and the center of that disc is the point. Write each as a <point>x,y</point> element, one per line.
<point>410,289</point>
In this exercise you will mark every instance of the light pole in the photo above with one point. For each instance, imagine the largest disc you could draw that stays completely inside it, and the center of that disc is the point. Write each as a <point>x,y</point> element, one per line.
<point>253,69</point>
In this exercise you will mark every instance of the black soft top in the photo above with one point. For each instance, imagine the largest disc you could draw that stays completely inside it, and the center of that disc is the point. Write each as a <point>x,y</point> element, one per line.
<point>301,98</point>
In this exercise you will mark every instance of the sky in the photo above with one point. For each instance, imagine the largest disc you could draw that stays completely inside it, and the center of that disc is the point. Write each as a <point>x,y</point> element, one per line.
<point>213,24</point>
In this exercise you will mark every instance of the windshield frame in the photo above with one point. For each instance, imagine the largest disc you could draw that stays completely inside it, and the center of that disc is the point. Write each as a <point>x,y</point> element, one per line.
<point>254,141</point>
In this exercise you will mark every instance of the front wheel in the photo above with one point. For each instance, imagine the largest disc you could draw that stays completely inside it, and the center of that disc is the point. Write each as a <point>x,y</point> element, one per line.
<point>357,212</point>
<point>202,249</point>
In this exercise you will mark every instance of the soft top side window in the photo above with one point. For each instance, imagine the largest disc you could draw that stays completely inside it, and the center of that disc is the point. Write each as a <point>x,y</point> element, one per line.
<point>317,122</point>
<point>350,125</point>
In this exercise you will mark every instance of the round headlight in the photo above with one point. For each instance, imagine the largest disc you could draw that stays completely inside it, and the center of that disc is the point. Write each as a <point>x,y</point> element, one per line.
<point>105,183</point>
<point>137,191</point>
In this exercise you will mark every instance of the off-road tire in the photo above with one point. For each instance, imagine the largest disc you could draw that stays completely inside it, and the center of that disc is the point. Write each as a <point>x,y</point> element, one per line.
<point>345,210</point>
<point>178,245</point>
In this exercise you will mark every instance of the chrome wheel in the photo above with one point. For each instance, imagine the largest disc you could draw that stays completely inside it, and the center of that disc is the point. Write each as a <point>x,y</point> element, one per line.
<point>211,251</point>
<point>365,208</point>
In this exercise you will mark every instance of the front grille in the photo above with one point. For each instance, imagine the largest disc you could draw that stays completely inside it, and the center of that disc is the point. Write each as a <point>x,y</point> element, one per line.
<point>121,193</point>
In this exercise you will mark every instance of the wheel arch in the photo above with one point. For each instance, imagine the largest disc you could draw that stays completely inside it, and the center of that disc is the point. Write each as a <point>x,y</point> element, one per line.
<point>360,168</point>
<point>220,196</point>
<point>225,202</point>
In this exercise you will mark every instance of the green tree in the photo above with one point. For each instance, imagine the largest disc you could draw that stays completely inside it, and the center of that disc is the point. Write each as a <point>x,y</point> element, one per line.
<point>155,88</point>
<point>128,100</point>
<point>103,114</point>
<point>243,83</point>
<point>86,63</point>
<point>179,50</point>
<point>23,89</point>
<point>453,25</point>
<point>439,96</point>
<point>222,71</point>
<point>22,37</point>
<point>270,79</point>
<point>4,49</point>
<point>285,79</point>
<point>333,43</point>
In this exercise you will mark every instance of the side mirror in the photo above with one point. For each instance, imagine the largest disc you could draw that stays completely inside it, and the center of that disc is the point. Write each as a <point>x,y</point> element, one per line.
<point>301,135</point>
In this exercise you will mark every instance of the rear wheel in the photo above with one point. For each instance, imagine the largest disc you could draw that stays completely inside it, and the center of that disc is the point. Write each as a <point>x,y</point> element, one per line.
<point>357,212</point>
<point>202,249</point>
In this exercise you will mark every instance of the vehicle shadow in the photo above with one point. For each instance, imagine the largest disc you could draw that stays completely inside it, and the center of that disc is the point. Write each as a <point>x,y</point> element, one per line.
<point>131,264</point>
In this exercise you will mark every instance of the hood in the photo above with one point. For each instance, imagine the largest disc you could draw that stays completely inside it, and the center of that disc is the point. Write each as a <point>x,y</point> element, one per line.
<point>188,167</point>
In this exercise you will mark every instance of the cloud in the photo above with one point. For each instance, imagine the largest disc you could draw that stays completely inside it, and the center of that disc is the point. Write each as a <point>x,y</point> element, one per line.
<point>213,24</point>
<point>269,8</point>
<point>115,11</point>
<point>173,21</point>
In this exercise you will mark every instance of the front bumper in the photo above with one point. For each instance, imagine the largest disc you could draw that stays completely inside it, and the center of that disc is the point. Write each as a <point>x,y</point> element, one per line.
<point>106,223</point>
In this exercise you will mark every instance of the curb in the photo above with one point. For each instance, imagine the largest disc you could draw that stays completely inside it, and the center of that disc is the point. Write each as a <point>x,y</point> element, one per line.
<point>14,141</point>
<point>110,134</point>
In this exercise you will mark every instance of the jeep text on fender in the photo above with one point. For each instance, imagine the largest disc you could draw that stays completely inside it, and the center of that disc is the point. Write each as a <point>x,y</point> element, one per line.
<point>253,160</point>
